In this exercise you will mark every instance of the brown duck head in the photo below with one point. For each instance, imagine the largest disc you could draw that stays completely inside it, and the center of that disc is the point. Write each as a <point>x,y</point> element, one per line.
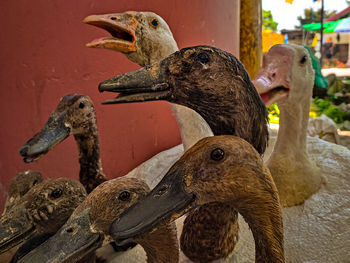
<point>44,208</point>
<point>88,226</point>
<point>208,80</point>
<point>20,184</point>
<point>275,81</point>
<point>74,115</point>
<point>142,36</point>
<point>223,169</point>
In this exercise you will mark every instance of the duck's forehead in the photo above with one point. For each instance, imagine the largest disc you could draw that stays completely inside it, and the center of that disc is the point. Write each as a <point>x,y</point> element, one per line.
<point>279,54</point>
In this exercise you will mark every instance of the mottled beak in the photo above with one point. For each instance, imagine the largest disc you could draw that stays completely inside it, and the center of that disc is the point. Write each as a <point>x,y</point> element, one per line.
<point>15,228</point>
<point>145,84</point>
<point>167,201</point>
<point>51,134</point>
<point>71,243</point>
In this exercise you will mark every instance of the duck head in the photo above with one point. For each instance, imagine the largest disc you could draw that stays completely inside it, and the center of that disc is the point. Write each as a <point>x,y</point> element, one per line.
<point>141,36</point>
<point>206,79</point>
<point>44,208</point>
<point>20,184</point>
<point>275,82</point>
<point>222,169</point>
<point>88,226</point>
<point>74,115</point>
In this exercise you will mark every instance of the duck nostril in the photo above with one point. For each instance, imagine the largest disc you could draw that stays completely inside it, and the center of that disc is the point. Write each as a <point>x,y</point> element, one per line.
<point>273,75</point>
<point>69,230</point>
<point>23,150</point>
<point>113,18</point>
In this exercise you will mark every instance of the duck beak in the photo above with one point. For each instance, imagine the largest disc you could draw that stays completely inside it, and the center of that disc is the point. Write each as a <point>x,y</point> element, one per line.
<point>167,201</point>
<point>71,243</point>
<point>145,84</point>
<point>51,134</point>
<point>15,228</point>
<point>122,28</point>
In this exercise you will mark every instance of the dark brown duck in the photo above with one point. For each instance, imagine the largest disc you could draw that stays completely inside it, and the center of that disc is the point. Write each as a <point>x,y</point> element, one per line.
<point>208,80</point>
<point>88,227</point>
<point>74,115</point>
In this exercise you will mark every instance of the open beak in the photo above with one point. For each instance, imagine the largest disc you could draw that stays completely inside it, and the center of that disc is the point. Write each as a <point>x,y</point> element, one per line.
<point>270,91</point>
<point>71,243</point>
<point>167,201</point>
<point>145,84</point>
<point>15,228</point>
<point>51,134</point>
<point>122,28</point>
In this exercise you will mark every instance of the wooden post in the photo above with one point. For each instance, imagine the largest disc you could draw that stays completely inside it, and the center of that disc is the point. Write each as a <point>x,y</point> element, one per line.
<point>250,50</point>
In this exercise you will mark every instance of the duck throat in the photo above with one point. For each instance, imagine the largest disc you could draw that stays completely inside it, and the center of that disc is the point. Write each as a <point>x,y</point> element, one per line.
<point>295,175</point>
<point>262,211</point>
<point>91,174</point>
<point>161,244</point>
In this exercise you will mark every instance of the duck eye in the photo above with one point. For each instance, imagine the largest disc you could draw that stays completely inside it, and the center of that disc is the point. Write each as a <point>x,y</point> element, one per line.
<point>303,60</point>
<point>203,58</point>
<point>217,154</point>
<point>124,196</point>
<point>56,193</point>
<point>81,105</point>
<point>35,182</point>
<point>154,22</point>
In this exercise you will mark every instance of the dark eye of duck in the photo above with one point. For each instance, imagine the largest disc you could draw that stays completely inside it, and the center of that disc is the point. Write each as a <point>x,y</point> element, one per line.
<point>303,60</point>
<point>217,154</point>
<point>124,196</point>
<point>56,193</point>
<point>154,22</point>
<point>203,58</point>
<point>81,105</point>
<point>35,182</point>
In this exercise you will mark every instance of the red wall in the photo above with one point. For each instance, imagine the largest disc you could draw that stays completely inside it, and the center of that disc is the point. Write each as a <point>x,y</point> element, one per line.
<point>43,57</point>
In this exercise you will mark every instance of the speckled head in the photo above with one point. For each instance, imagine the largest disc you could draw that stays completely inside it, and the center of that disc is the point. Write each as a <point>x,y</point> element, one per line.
<point>44,208</point>
<point>73,115</point>
<point>210,81</point>
<point>20,184</point>
<point>141,36</point>
<point>89,224</point>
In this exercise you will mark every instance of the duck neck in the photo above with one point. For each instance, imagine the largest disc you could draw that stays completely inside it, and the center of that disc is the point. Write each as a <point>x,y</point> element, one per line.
<point>293,128</point>
<point>265,221</point>
<point>191,125</point>
<point>91,174</point>
<point>161,245</point>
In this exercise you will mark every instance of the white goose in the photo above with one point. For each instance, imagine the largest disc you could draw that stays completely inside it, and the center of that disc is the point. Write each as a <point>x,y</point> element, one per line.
<point>318,229</point>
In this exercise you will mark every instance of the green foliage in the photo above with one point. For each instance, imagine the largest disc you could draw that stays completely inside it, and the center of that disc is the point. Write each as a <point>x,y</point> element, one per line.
<point>268,22</point>
<point>274,113</point>
<point>311,16</point>
<point>326,107</point>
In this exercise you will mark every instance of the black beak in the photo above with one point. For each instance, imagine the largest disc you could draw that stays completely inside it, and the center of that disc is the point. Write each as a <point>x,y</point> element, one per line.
<point>15,228</point>
<point>71,243</point>
<point>145,84</point>
<point>51,134</point>
<point>167,201</point>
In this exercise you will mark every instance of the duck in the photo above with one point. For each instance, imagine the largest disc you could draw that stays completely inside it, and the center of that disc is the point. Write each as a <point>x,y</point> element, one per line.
<point>74,115</point>
<point>88,227</point>
<point>43,209</point>
<point>219,241</point>
<point>19,186</point>
<point>151,40</point>
<point>320,218</point>
<point>224,169</point>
